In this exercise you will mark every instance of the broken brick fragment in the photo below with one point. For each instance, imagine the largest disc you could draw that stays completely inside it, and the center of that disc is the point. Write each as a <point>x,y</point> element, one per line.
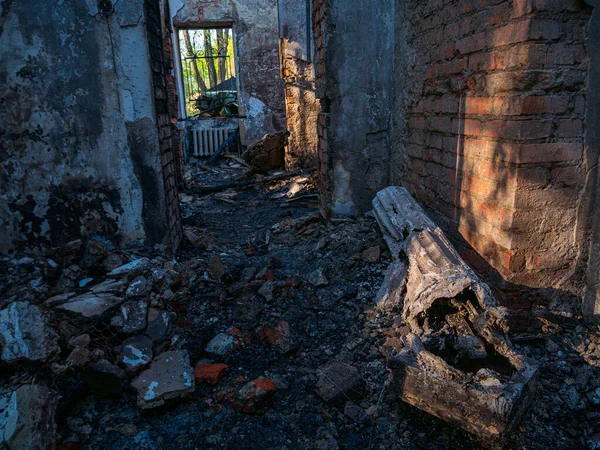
<point>282,336</point>
<point>209,373</point>
<point>270,335</point>
<point>256,396</point>
<point>251,251</point>
<point>236,332</point>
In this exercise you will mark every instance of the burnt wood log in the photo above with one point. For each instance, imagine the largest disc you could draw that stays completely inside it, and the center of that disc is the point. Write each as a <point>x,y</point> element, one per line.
<point>398,215</point>
<point>483,404</point>
<point>457,362</point>
<point>200,190</point>
<point>391,291</point>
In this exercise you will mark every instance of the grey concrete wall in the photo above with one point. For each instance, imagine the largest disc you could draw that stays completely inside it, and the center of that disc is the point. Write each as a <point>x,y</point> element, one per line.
<point>592,294</point>
<point>256,37</point>
<point>358,97</point>
<point>78,140</point>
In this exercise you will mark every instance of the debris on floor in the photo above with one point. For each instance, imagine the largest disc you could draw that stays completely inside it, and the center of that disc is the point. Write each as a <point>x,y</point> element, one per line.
<point>264,332</point>
<point>27,418</point>
<point>268,153</point>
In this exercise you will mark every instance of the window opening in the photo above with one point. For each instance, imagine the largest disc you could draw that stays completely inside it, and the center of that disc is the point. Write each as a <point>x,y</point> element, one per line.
<point>209,72</point>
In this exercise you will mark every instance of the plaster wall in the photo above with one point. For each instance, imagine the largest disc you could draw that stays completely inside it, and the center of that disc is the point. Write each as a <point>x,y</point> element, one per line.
<point>256,37</point>
<point>77,149</point>
<point>355,85</point>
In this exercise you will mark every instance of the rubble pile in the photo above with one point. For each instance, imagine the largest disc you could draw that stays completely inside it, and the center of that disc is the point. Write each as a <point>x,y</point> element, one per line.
<point>85,311</point>
<point>272,329</point>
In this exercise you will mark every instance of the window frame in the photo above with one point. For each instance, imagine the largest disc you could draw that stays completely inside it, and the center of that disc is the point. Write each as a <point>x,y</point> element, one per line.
<point>183,115</point>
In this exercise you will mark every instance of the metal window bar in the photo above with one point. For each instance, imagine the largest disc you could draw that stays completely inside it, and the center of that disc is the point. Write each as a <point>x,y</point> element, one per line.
<point>220,96</point>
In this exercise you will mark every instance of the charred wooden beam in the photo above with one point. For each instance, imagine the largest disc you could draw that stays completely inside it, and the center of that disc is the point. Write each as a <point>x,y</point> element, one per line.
<point>482,404</point>
<point>457,362</point>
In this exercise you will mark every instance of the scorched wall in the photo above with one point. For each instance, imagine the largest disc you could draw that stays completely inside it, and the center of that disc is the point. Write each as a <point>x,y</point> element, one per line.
<point>79,151</point>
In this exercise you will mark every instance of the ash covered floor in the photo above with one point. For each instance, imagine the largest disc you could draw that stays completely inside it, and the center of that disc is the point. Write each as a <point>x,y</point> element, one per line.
<point>274,310</point>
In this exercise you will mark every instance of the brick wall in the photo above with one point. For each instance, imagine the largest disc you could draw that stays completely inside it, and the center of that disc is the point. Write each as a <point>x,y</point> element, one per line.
<point>172,96</point>
<point>494,127</point>
<point>319,16</point>
<point>298,73</point>
<point>302,111</point>
<point>166,107</point>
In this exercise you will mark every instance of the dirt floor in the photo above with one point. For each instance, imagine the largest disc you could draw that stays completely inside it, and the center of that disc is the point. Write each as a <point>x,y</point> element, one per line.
<point>289,295</point>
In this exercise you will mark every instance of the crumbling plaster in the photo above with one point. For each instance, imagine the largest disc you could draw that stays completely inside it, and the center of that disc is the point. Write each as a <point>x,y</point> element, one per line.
<point>255,28</point>
<point>74,84</point>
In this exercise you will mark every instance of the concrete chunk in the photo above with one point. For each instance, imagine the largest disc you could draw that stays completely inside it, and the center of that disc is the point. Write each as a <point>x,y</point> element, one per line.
<point>135,353</point>
<point>131,317</point>
<point>170,376</point>
<point>91,306</point>
<point>25,334</point>
<point>27,418</point>
<point>132,269</point>
<point>338,382</point>
<point>221,345</point>
<point>159,324</point>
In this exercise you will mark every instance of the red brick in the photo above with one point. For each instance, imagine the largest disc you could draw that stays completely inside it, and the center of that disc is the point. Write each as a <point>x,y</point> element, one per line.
<point>453,67</point>
<point>551,197</point>
<point>522,153</point>
<point>256,396</point>
<point>508,129</point>
<point>209,373</point>
<point>544,29</point>
<point>544,105</point>
<point>510,34</point>
<point>499,13</point>
<point>521,8</point>
<point>562,54</point>
<point>483,61</point>
<point>493,213</point>
<point>549,152</point>
<point>568,128</point>
<point>500,257</point>
<point>471,44</point>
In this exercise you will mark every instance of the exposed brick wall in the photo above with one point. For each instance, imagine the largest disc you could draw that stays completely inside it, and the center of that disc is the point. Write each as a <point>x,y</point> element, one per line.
<point>302,110</point>
<point>320,10</point>
<point>298,73</point>
<point>172,96</point>
<point>165,104</point>
<point>494,127</point>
